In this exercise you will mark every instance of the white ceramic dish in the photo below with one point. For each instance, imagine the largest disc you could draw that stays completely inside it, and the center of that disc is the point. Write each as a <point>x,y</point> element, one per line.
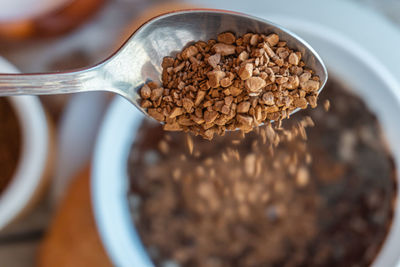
<point>344,58</point>
<point>29,178</point>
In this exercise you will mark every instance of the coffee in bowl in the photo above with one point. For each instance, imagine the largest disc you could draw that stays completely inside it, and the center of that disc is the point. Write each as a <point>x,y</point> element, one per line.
<point>327,201</point>
<point>10,142</point>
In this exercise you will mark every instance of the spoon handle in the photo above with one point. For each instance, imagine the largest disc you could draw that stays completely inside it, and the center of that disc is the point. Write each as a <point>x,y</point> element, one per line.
<point>48,83</point>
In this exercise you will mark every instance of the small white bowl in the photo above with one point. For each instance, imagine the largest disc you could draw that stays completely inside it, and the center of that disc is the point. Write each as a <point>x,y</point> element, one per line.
<point>345,59</point>
<point>29,178</point>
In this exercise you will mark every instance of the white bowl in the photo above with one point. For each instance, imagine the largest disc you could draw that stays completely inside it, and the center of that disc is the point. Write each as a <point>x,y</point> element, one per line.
<point>345,59</point>
<point>29,178</point>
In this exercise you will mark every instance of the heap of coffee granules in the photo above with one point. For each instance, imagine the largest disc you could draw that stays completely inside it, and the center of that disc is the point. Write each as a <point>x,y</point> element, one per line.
<point>231,203</point>
<point>231,83</point>
<point>10,142</point>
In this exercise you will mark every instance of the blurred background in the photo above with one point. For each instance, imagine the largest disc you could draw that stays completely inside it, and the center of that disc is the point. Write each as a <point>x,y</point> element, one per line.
<point>49,35</point>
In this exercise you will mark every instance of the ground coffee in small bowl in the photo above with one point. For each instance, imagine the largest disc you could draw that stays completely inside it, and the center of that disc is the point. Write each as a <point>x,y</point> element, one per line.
<point>10,142</point>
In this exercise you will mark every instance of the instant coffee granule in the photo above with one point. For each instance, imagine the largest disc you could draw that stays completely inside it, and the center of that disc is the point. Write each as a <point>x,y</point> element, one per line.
<point>230,83</point>
<point>10,142</point>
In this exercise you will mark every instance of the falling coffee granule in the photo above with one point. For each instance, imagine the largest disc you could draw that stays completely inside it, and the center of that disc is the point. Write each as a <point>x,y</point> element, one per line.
<point>230,83</point>
<point>324,202</point>
<point>10,142</point>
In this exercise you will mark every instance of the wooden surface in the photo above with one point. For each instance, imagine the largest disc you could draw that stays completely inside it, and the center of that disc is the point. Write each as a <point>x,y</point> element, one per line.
<point>72,238</point>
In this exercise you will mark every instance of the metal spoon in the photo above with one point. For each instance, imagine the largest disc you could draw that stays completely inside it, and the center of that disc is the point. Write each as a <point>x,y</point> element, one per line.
<point>139,59</point>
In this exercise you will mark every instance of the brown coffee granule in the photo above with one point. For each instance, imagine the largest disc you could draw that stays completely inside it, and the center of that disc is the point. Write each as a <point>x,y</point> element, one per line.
<point>327,105</point>
<point>189,142</point>
<point>230,83</point>
<point>10,142</point>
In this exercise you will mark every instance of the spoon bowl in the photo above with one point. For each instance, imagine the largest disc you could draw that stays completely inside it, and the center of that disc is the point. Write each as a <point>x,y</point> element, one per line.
<point>168,34</point>
<point>139,59</point>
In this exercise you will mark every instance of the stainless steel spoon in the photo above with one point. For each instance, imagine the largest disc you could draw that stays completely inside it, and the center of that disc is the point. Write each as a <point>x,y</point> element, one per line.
<point>139,59</point>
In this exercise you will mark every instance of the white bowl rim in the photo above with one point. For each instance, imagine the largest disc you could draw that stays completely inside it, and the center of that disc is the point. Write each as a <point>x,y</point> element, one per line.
<point>118,233</point>
<point>33,155</point>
